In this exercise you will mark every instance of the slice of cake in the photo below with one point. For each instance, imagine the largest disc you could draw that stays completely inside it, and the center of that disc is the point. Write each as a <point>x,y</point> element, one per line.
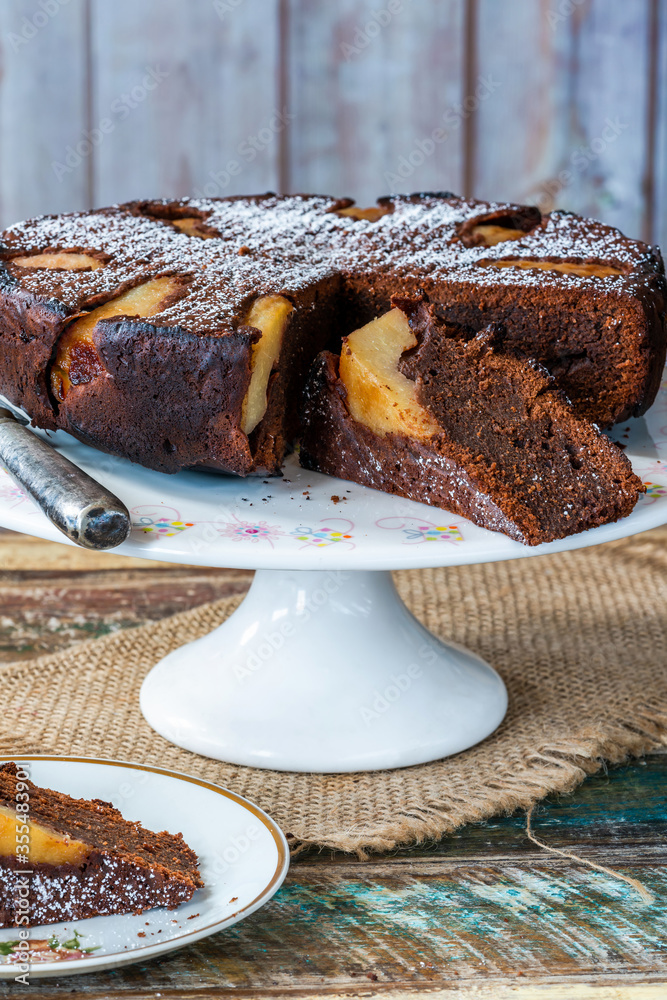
<point>67,859</point>
<point>421,408</point>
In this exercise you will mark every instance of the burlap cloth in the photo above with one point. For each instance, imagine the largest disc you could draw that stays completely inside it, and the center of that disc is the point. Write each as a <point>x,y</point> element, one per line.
<point>579,638</point>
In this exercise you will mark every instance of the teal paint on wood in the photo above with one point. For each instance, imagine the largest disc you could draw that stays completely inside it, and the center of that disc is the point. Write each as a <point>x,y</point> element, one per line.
<point>474,909</point>
<point>481,921</point>
<point>611,802</point>
<point>624,809</point>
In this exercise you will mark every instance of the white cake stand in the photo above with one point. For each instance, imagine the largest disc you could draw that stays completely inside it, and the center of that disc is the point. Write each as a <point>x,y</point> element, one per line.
<point>322,668</point>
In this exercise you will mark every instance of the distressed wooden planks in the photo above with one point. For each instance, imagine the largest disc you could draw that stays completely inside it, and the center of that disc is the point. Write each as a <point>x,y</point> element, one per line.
<point>44,88</point>
<point>191,90</point>
<point>488,913</point>
<point>52,595</point>
<point>568,127</point>
<point>659,179</point>
<point>560,103</point>
<point>521,127</point>
<point>482,913</point>
<point>609,122</point>
<point>369,84</point>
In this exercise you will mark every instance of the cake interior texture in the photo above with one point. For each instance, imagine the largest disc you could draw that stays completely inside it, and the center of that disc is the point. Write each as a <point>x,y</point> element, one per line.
<point>83,857</point>
<point>181,334</point>
<point>464,423</point>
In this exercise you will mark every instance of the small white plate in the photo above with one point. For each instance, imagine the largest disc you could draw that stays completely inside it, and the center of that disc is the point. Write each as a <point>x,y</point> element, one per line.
<point>243,861</point>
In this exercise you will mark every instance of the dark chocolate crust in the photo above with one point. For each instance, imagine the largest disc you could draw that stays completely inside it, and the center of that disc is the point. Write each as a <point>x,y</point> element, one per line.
<point>171,394</point>
<point>104,885</point>
<point>172,398</point>
<point>129,869</point>
<point>512,455</point>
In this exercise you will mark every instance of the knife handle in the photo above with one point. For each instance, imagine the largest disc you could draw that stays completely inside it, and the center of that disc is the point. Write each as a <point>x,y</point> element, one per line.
<point>77,504</point>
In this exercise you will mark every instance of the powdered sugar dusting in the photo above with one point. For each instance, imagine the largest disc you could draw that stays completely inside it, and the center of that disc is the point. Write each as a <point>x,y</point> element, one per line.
<point>110,885</point>
<point>274,244</point>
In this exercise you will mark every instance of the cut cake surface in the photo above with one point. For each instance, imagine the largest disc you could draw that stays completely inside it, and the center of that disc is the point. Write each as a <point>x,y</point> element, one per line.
<point>84,858</point>
<point>496,441</point>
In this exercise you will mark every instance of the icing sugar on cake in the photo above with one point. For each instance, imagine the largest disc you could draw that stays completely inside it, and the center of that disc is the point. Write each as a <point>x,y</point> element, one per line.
<point>242,294</point>
<point>84,859</point>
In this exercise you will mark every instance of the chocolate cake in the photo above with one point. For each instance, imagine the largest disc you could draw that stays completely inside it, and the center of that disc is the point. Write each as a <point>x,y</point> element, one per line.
<point>422,408</point>
<point>210,312</point>
<point>80,858</point>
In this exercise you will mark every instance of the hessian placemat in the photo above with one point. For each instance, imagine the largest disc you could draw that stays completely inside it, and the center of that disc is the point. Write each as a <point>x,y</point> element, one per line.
<point>580,639</point>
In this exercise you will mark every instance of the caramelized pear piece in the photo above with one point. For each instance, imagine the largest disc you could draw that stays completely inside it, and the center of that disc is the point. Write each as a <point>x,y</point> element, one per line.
<point>378,394</point>
<point>268,314</point>
<point>190,228</point>
<point>76,359</point>
<point>490,234</point>
<point>583,270</point>
<point>62,261</point>
<point>45,846</point>
<point>370,214</point>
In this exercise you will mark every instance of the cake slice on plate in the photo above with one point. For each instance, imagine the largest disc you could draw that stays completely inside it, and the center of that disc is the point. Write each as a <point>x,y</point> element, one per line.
<point>424,409</point>
<point>67,859</point>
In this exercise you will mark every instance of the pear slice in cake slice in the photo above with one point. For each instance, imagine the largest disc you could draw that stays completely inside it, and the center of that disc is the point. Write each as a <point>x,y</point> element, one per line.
<point>432,412</point>
<point>83,858</point>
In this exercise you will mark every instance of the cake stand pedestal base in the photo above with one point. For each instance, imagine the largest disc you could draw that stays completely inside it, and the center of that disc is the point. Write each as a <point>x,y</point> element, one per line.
<point>323,671</point>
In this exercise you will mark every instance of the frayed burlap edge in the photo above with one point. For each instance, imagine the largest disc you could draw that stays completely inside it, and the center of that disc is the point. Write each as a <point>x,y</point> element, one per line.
<point>579,638</point>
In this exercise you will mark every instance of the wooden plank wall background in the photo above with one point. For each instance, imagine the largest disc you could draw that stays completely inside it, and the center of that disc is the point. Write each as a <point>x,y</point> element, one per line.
<point>559,102</point>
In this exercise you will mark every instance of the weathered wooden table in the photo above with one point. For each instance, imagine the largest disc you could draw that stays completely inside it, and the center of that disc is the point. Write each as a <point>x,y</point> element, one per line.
<point>483,913</point>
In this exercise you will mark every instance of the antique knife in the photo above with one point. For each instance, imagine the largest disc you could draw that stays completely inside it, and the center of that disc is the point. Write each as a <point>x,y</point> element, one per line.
<point>80,507</point>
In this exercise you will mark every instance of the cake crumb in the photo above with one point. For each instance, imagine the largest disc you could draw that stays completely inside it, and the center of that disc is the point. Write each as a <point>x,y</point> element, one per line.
<point>141,933</point>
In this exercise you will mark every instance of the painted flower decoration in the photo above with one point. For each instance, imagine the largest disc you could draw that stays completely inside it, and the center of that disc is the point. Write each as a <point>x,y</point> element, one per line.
<point>248,531</point>
<point>653,491</point>
<point>12,493</point>
<point>417,532</point>
<point>323,536</point>
<point>158,522</point>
